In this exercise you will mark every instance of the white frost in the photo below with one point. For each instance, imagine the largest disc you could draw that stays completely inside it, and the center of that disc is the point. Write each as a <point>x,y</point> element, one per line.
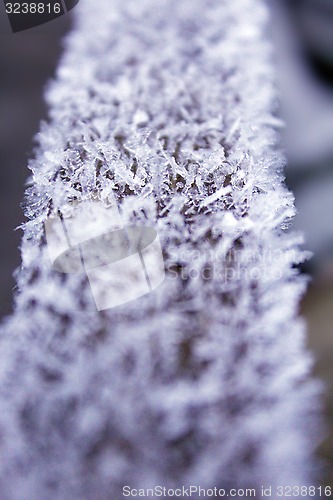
<point>169,106</point>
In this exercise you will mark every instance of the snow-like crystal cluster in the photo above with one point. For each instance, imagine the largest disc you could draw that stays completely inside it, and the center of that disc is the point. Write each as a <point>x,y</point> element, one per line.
<point>170,107</point>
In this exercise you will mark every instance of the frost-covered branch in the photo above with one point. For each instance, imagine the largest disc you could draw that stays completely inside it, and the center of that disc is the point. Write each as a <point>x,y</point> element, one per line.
<point>168,106</point>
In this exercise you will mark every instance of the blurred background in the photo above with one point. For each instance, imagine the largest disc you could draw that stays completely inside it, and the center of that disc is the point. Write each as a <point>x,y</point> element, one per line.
<point>27,61</point>
<point>303,33</point>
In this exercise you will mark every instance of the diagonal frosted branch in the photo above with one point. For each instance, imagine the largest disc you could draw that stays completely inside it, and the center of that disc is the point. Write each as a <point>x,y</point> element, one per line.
<point>169,107</point>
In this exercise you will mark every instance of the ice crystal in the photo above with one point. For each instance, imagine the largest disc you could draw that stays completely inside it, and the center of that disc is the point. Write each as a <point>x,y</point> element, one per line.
<point>170,107</point>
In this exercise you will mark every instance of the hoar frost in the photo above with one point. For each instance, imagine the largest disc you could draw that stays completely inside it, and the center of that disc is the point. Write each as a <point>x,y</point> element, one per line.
<point>168,106</point>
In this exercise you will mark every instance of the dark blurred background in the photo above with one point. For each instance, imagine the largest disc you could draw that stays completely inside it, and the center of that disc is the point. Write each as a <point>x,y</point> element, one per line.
<point>27,61</point>
<point>303,31</point>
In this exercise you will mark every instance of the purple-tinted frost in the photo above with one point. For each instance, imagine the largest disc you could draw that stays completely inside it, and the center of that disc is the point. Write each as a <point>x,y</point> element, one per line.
<point>169,106</point>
